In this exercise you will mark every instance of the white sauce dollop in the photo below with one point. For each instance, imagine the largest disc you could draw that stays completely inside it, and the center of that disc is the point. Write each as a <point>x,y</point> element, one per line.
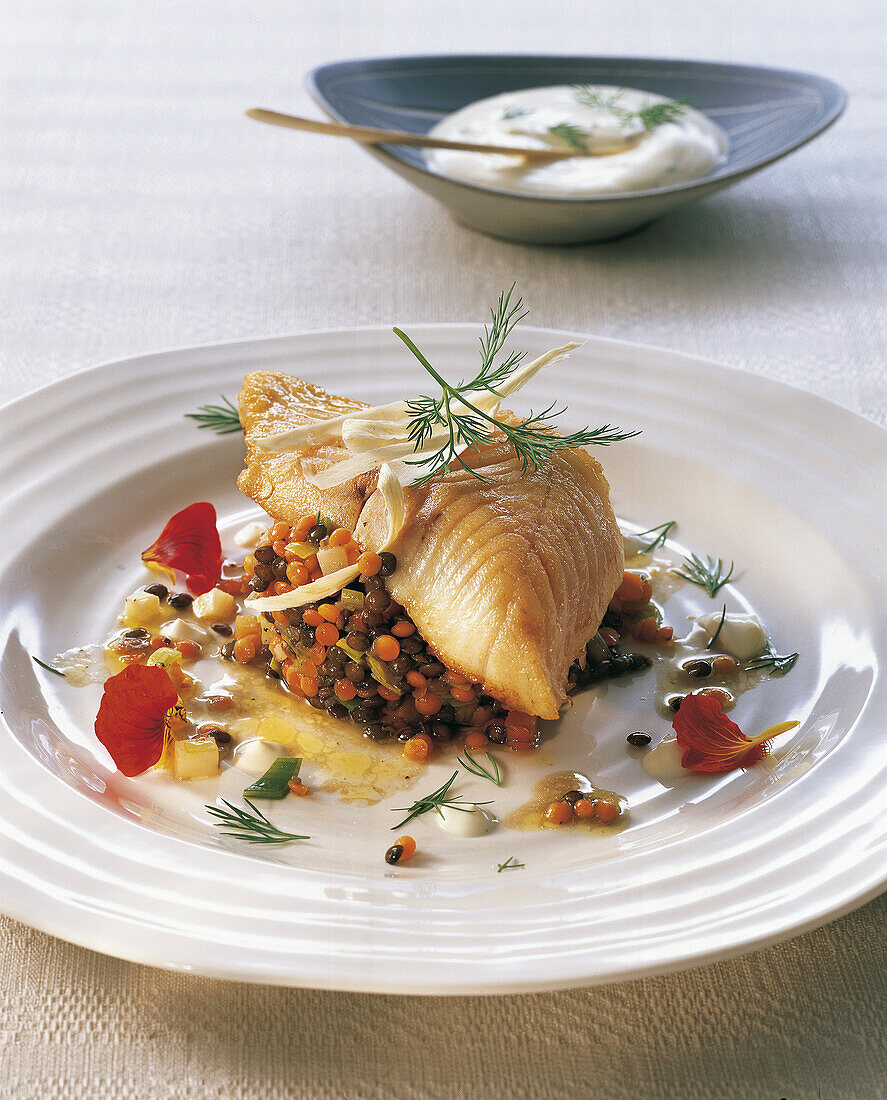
<point>256,756</point>
<point>249,535</point>
<point>469,821</point>
<point>742,635</point>
<point>664,762</point>
<point>689,147</point>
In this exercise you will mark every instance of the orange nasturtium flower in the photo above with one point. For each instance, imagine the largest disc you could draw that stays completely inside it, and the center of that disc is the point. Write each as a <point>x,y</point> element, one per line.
<point>712,742</point>
<point>135,716</point>
<point>189,544</point>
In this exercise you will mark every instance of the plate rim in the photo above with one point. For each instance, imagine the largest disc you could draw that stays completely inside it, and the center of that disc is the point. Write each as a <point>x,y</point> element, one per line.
<point>716,180</point>
<point>233,969</point>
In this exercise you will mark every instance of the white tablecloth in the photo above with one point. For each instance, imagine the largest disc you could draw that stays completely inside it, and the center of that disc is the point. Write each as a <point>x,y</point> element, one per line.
<point>141,210</point>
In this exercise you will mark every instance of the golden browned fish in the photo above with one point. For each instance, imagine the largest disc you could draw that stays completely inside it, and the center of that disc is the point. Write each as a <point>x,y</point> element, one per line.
<point>505,579</point>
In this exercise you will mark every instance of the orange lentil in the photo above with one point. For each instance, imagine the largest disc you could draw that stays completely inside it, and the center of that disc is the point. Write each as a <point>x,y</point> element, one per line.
<point>307,668</point>
<point>296,574</point>
<point>345,689</point>
<point>249,564</point>
<point>519,735</point>
<point>157,642</point>
<point>328,611</point>
<point>312,617</point>
<point>291,676</point>
<point>326,634</point>
<point>298,788</point>
<point>352,554</point>
<point>604,811</point>
<point>723,697</point>
<point>315,574</point>
<point>476,740</point>
<point>310,563</point>
<point>427,704</point>
<point>520,718</point>
<point>558,813</point>
<point>246,624</point>
<point>417,680</point>
<point>462,694</point>
<point>387,693</point>
<point>300,531</point>
<point>386,648</point>
<point>419,747</point>
<point>724,666</point>
<point>279,532</point>
<point>340,537</point>
<point>409,847</point>
<point>664,635</point>
<point>232,586</point>
<point>634,588</point>
<point>317,653</point>
<point>219,702</point>
<point>308,685</point>
<point>189,650</point>
<point>245,649</point>
<point>369,564</point>
<point>608,636</point>
<point>403,629</point>
<point>583,809</point>
<point>454,677</point>
<point>645,630</point>
<point>282,587</point>
<point>279,548</point>
<point>280,618</point>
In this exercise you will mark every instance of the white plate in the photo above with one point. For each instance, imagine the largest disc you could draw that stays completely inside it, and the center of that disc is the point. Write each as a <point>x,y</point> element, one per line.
<point>789,486</point>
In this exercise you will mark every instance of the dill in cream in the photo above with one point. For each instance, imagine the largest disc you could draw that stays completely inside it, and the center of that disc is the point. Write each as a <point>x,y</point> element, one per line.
<point>625,140</point>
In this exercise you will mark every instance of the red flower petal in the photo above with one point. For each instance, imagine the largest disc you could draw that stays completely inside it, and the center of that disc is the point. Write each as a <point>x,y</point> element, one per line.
<point>131,722</point>
<point>711,742</point>
<point>189,543</point>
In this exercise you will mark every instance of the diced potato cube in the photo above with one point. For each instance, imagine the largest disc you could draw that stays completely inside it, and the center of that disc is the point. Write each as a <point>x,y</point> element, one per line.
<point>215,606</point>
<point>196,759</point>
<point>332,559</point>
<point>142,609</point>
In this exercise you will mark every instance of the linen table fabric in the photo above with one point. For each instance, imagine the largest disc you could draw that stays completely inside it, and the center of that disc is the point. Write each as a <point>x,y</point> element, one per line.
<point>141,210</point>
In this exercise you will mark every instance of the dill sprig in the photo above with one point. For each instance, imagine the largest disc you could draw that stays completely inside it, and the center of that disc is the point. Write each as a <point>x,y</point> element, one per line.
<point>250,825</point>
<point>573,135</point>
<point>468,426</point>
<point>510,864</point>
<point>222,419</point>
<point>470,764</point>
<point>708,574</point>
<point>49,668</point>
<point>651,116</point>
<point>714,636</point>
<point>774,663</point>
<point>436,801</point>
<point>660,534</point>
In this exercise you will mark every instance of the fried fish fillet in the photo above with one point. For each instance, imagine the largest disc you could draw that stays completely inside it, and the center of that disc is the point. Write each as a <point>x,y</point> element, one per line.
<point>505,579</point>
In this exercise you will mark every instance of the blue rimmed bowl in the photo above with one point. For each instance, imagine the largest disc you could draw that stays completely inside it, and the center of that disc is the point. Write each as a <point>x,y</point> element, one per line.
<point>767,113</point>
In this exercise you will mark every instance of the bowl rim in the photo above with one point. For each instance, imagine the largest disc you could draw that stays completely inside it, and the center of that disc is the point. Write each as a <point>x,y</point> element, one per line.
<point>717,179</point>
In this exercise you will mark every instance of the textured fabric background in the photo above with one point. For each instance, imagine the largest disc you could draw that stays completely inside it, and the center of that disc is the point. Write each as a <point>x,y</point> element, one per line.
<point>141,210</point>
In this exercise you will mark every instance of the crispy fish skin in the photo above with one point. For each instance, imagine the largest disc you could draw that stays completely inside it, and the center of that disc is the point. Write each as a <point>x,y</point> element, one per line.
<point>505,579</point>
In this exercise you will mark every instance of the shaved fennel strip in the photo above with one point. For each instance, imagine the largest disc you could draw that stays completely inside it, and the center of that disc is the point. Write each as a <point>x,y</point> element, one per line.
<point>326,431</point>
<point>392,494</point>
<point>378,434</point>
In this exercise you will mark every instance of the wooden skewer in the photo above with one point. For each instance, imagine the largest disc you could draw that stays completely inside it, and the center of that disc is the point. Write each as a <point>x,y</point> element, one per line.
<point>369,135</point>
